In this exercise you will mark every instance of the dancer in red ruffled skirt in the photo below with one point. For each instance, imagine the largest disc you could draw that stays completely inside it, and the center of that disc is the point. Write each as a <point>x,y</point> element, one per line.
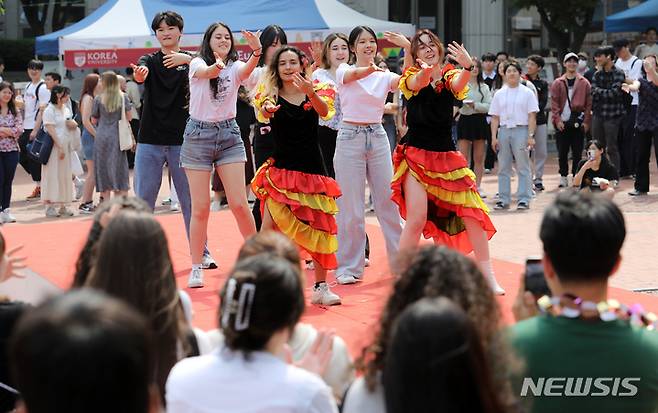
<point>297,197</point>
<point>432,185</point>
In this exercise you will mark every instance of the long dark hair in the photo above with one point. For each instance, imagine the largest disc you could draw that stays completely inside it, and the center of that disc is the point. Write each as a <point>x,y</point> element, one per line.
<point>354,37</point>
<point>89,85</point>
<point>12,102</point>
<point>87,254</point>
<point>436,362</point>
<point>442,272</point>
<point>262,295</point>
<point>133,264</point>
<point>268,37</point>
<point>206,53</point>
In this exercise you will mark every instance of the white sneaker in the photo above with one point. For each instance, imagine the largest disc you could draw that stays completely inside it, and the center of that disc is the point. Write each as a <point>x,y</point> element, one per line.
<point>175,207</point>
<point>215,206</point>
<point>51,212</point>
<point>6,217</point>
<point>208,263</point>
<point>65,212</point>
<point>346,279</point>
<point>196,278</point>
<point>79,186</point>
<point>564,182</point>
<point>495,287</point>
<point>310,265</point>
<point>367,262</point>
<point>322,295</point>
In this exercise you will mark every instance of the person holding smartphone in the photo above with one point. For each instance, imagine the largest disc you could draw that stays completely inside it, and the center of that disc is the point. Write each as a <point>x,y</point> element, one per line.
<point>596,173</point>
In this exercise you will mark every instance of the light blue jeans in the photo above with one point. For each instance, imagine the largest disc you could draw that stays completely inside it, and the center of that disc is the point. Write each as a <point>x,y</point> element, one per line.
<point>363,152</point>
<point>540,152</point>
<point>149,161</point>
<point>513,144</point>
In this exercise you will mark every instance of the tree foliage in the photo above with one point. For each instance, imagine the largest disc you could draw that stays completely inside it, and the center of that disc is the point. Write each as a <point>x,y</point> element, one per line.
<point>567,21</point>
<point>36,13</point>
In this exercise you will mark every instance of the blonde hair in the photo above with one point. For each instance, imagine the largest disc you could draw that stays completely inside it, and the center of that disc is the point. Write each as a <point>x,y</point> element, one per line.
<point>112,98</point>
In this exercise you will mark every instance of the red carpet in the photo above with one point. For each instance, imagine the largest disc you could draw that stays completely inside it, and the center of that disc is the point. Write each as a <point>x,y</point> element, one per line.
<point>52,249</point>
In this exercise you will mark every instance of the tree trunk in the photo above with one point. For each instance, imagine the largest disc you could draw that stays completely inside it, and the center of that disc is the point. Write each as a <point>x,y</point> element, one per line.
<point>31,9</point>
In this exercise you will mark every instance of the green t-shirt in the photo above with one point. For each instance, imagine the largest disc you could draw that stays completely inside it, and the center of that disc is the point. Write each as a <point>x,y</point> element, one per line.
<point>562,356</point>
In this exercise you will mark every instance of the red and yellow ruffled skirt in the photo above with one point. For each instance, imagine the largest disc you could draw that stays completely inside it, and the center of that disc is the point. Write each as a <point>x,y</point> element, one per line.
<point>451,194</point>
<point>303,206</point>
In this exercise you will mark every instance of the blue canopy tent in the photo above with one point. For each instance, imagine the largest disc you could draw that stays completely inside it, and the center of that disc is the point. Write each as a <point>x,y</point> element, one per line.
<point>635,19</point>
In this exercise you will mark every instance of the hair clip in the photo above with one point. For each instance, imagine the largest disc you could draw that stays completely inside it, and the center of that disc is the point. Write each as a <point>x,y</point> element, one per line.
<point>228,301</point>
<point>245,302</point>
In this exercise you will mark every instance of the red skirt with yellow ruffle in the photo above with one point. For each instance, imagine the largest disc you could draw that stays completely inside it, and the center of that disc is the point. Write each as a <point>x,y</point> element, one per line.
<point>451,194</point>
<point>302,206</point>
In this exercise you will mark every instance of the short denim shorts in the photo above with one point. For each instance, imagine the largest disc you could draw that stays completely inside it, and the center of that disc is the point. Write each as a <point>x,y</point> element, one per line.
<point>87,145</point>
<point>207,145</point>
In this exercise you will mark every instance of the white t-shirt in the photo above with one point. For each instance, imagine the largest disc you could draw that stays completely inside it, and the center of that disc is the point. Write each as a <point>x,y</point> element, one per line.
<point>254,77</point>
<point>224,381</point>
<point>633,73</point>
<point>325,76</point>
<point>513,105</point>
<point>362,101</point>
<point>361,400</point>
<point>203,105</point>
<point>30,101</point>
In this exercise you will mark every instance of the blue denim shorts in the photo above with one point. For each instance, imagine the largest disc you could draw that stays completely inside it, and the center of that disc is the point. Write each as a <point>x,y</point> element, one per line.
<point>87,145</point>
<point>207,145</point>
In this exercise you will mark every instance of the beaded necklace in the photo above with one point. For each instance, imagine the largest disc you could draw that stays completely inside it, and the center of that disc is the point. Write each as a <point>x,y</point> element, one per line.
<point>571,306</point>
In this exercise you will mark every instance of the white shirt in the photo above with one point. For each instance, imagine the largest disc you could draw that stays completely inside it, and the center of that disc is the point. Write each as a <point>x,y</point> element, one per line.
<point>254,77</point>
<point>206,107</point>
<point>30,101</point>
<point>644,50</point>
<point>225,382</point>
<point>325,76</point>
<point>361,400</point>
<point>513,105</point>
<point>634,72</point>
<point>566,110</point>
<point>362,101</point>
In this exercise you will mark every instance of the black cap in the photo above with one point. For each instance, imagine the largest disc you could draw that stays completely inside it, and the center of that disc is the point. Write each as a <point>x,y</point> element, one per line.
<point>619,43</point>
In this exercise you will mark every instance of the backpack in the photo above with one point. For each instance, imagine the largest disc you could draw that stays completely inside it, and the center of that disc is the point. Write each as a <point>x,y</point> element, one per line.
<point>36,93</point>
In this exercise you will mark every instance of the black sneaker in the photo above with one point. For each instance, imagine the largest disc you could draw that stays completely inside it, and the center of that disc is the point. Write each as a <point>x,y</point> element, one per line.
<point>635,192</point>
<point>522,206</point>
<point>539,186</point>
<point>86,209</point>
<point>500,205</point>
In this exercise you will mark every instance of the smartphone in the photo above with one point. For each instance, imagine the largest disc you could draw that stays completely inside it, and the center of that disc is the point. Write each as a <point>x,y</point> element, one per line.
<point>534,277</point>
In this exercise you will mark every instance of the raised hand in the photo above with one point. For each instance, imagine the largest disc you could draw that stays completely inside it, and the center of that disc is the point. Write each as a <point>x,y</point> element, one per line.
<point>459,54</point>
<point>316,52</point>
<point>302,84</point>
<point>423,65</point>
<point>269,109</point>
<point>253,40</point>
<point>317,358</point>
<point>139,72</point>
<point>219,62</point>
<point>374,68</point>
<point>10,263</point>
<point>173,59</point>
<point>397,39</point>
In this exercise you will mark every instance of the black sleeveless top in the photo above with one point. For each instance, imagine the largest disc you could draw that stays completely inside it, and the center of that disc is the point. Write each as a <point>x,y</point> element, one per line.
<point>429,116</point>
<point>295,131</point>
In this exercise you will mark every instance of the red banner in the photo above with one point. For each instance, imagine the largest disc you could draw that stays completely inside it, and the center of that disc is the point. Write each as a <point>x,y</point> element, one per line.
<point>118,58</point>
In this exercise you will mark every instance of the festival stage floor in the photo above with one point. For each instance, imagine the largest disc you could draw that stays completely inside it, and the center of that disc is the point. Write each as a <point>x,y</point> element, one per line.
<point>52,248</point>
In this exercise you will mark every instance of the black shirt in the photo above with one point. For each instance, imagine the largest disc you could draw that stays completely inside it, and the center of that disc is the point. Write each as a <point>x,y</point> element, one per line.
<point>606,170</point>
<point>429,117</point>
<point>165,108</point>
<point>542,96</point>
<point>571,82</point>
<point>295,131</point>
